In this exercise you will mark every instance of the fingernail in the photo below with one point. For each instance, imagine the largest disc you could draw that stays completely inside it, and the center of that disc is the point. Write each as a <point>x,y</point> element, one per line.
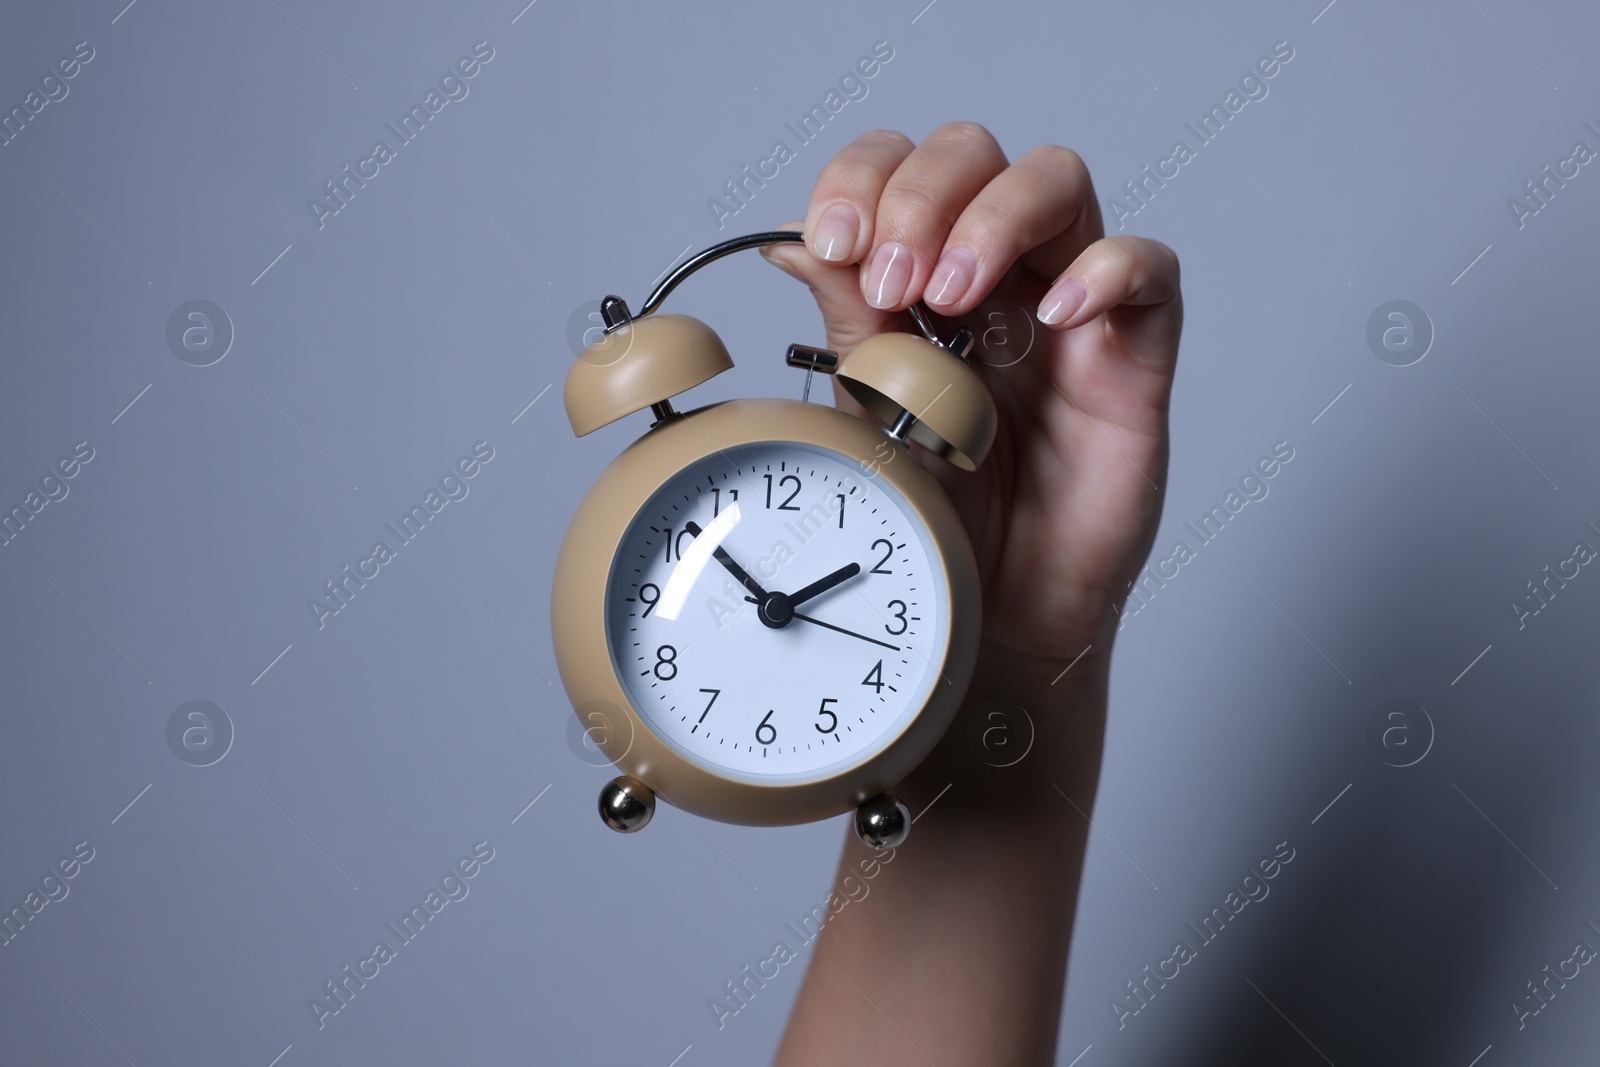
<point>888,275</point>
<point>952,277</point>
<point>1062,301</point>
<point>836,233</point>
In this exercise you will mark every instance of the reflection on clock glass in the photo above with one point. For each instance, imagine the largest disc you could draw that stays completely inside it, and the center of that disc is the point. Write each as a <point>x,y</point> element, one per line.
<point>775,614</point>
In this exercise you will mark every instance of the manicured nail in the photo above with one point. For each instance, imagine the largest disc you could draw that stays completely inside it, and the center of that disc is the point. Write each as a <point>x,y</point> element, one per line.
<point>888,275</point>
<point>952,277</point>
<point>836,233</point>
<point>1062,301</point>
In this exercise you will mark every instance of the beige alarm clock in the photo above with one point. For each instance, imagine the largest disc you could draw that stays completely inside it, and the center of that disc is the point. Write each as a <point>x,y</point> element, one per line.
<point>766,611</point>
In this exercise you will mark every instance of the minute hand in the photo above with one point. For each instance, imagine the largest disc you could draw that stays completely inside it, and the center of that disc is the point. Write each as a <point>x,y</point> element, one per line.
<point>722,557</point>
<point>825,583</point>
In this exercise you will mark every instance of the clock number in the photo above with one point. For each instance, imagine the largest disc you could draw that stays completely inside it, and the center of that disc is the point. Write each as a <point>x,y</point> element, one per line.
<point>772,731</point>
<point>888,550</point>
<point>901,615</point>
<point>833,720</point>
<point>874,678</point>
<point>649,593</point>
<point>666,660</point>
<point>675,546</point>
<point>715,693</point>
<point>716,500</point>
<point>785,480</point>
<point>841,511</point>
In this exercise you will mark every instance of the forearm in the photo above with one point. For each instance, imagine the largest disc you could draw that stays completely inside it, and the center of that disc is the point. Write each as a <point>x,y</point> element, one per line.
<point>958,953</point>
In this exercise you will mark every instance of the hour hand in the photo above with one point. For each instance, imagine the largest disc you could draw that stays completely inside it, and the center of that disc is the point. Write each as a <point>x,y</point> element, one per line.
<point>777,609</point>
<point>825,583</point>
<point>722,557</point>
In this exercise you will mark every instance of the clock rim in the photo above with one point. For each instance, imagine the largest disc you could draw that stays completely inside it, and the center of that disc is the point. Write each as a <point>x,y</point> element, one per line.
<point>584,566</point>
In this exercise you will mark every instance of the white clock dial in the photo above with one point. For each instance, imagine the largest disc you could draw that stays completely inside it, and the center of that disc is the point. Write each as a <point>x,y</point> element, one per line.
<point>777,679</point>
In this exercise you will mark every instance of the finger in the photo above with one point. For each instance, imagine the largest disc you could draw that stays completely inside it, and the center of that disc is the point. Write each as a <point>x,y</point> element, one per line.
<point>1041,209</point>
<point>838,224</point>
<point>922,200</point>
<point>847,317</point>
<point>1134,282</point>
<point>1056,254</point>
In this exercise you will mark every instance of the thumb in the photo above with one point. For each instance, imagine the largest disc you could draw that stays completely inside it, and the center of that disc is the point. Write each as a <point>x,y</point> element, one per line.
<point>848,317</point>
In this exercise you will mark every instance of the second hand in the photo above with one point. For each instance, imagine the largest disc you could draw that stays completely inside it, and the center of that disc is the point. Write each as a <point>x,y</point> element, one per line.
<point>831,626</point>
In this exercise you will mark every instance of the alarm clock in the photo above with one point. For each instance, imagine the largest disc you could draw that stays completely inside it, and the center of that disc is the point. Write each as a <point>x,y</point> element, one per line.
<point>766,611</point>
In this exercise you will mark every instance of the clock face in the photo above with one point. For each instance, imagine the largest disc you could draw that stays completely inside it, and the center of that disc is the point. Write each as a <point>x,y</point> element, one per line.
<point>774,615</point>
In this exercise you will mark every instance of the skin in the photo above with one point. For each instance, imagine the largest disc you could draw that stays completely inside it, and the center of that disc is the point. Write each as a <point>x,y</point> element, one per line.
<point>958,955</point>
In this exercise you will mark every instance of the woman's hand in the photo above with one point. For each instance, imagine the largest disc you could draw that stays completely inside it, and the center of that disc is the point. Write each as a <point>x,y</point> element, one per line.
<point>960,951</point>
<point>1063,512</point>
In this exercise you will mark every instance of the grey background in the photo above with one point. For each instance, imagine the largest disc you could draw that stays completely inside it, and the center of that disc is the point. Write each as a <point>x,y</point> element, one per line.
<point>427,315</point>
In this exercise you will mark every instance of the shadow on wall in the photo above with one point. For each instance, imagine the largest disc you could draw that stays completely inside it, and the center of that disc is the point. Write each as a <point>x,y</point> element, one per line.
<point>1415,927</point>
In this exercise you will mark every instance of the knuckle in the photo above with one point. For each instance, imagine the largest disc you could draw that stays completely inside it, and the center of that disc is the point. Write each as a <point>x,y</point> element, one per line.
<point>963,134</point>
<point>887,139</point>
<point>862,169</point>
<point>912,195</point>
<point>991,229</point>
<point>1055,156</point>
<point>853,181</point>
<point>914,205</point>
<point>1117,256</point>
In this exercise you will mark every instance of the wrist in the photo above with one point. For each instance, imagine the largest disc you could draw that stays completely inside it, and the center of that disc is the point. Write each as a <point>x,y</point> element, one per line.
<point>1024,748</point>
<point>1047,680</point>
